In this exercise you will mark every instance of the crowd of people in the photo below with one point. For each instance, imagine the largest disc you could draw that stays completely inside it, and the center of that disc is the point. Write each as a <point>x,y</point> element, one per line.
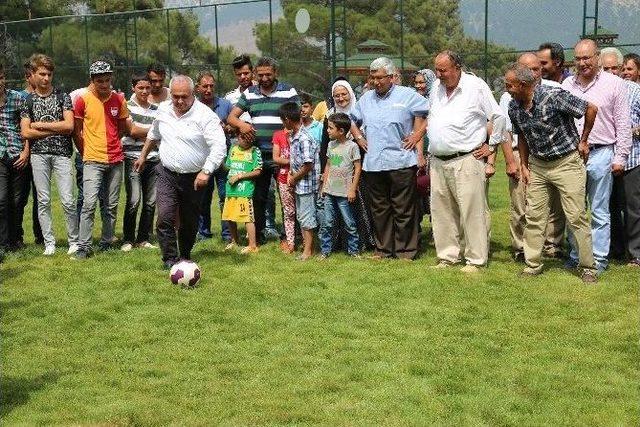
<point>352,174</point>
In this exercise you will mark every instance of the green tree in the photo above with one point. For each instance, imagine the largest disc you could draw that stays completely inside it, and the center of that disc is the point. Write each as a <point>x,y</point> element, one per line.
<point>428,27</point>
<point>129,41</point>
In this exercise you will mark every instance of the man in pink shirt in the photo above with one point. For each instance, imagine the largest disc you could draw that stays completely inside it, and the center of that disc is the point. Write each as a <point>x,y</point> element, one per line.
<point>609,141</point>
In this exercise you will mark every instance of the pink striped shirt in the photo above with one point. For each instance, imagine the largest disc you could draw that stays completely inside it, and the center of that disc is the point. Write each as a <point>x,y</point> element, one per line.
<point>613,125</point>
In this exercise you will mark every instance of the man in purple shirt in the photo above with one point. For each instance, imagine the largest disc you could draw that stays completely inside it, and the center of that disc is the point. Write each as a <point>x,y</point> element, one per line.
<point>609,142</point>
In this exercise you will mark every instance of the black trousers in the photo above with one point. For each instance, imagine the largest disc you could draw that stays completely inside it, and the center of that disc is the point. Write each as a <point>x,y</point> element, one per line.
<point>14,192</point>
<point>625,215</point>
<point>178,206</point>
<point>261,191</point>
<point>393,202</point>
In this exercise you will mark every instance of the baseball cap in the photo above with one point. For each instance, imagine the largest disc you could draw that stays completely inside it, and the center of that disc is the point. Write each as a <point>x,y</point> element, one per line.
<point>100,67</point>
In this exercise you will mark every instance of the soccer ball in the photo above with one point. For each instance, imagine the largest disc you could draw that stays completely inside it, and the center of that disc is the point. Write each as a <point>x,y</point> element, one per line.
<point>185,273</point>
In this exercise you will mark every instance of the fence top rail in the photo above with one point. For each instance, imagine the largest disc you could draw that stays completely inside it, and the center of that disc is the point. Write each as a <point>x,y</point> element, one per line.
<point>132,12</point>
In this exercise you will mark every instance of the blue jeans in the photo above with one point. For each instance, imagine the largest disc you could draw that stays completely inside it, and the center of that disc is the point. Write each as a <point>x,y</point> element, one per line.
<point>219,179</point>
<point>599,185</point>
<point>334,205</point>
<point>97,176</point>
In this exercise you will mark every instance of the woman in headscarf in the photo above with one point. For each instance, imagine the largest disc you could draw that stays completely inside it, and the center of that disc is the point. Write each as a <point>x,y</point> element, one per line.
<point>423,82</point>
<point>344,99</point>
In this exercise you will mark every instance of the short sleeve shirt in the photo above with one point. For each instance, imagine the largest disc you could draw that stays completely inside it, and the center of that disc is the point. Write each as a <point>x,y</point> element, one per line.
<point>281,139</point>
<point>341,158</point>
<point>304,149</point>
<point>242,161</point>
<point>549,127</point>
<point>100,128</point>
<point>49,108</point>
<point>263,110</point>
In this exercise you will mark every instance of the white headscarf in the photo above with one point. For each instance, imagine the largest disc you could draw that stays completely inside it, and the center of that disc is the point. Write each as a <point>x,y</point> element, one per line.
<point>352,97</point>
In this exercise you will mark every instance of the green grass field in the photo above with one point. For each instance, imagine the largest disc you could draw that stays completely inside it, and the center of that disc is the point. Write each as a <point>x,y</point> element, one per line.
<point>268,340</point>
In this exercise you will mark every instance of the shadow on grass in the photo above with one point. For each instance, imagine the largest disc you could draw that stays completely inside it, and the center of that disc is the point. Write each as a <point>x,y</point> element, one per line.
<point>8,273</point>
<point>16,391</point>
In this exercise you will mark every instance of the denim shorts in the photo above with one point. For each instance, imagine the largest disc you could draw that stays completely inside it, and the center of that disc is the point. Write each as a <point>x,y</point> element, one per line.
<point>306,210</point>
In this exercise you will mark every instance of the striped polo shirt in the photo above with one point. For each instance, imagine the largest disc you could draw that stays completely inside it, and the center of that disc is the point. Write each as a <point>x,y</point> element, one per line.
<point>263,110</point>
<point>100,126</point>
<point>142,117</point>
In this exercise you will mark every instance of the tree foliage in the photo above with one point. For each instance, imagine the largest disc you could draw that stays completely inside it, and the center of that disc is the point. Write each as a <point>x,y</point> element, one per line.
<point>428,27</point>
<point>129,41</point>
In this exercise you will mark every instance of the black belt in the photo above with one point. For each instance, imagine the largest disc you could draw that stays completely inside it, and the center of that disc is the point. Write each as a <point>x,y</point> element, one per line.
<point>453,156</point>
<point>597,146</point>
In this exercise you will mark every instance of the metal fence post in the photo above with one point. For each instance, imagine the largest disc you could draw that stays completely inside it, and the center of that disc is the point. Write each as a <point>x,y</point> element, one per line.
<point>86,43</point>
<point>333,40</point>
<point>168,43</point>
<point>486,40</point>
<point>215,15</point>
<point>271,28</point>
<point>344,34</point>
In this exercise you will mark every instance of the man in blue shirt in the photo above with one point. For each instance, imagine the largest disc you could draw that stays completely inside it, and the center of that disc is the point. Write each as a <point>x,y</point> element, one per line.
<point>206,87</point>
<point>394,121</point>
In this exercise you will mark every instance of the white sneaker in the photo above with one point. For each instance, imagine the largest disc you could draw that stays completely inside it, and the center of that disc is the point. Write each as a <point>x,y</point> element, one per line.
<point>49,250</point>
<point>126,247</point>
<point>147,245</point>
<point>73,248</point>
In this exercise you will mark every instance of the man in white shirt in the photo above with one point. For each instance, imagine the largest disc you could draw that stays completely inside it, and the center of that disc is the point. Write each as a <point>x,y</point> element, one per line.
<point>461,106</point>
<point>554,234</point>
<point>192,146</point>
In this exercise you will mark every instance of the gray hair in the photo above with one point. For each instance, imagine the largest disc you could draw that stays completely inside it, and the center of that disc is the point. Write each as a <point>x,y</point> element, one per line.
<point>383,63</point>
<point>181,78</point>
<point>612,51</point>
<point>523,73</point>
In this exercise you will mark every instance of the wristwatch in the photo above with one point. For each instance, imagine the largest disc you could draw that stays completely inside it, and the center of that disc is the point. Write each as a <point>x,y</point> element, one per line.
<point>492,148</point>
<point>207,171</point>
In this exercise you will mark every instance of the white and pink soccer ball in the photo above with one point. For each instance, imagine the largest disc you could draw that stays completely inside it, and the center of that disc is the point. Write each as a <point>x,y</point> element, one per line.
<point>185,273</point>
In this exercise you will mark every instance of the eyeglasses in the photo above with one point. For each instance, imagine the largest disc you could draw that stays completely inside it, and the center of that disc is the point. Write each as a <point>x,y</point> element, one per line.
<point>583,58</point>
<point>377,79</point>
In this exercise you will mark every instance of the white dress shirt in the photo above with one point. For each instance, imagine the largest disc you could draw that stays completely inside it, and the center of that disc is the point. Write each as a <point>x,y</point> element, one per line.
<point>506,98</point>
<point>191,142</point>
<point>458,123</point>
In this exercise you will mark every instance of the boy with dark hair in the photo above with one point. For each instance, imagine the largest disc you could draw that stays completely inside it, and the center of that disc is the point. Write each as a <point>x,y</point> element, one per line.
<point>100,122</point>
<point>139,186</point>
<point>339,184</point>
<point>311,125</point>
<point>46,124</point>
<point>244,164</point>
<point>157,73</point>
<point>303,174</point>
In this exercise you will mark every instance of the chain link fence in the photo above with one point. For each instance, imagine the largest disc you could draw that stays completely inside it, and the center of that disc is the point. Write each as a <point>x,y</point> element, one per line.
<point>314,40</point>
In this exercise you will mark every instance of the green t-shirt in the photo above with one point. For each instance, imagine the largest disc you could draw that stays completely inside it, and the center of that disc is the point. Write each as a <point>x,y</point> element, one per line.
<point>242,161</point>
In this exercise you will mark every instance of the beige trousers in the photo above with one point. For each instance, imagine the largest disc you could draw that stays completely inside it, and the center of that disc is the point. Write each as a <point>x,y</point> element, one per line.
<point>554,232</point>
<point>459,210</point>
<point>568,176</point>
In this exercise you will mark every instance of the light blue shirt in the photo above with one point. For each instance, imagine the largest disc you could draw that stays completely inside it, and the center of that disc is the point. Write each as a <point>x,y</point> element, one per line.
<point>387,120</point>
<point>315,130</point>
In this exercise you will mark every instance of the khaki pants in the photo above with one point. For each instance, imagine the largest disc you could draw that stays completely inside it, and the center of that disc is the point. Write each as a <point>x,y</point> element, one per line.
<point>568,177</point>
<point>555,227</point>
<point>554,233</point>
<point>459,210</point>
<point>517,219</point>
